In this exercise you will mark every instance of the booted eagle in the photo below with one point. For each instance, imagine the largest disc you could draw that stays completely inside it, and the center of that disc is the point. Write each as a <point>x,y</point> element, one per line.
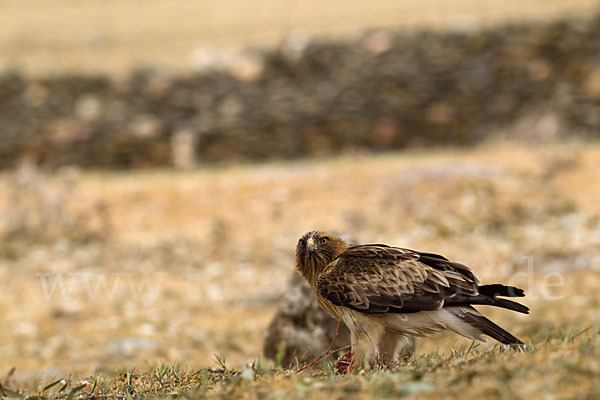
<point>385,293</point>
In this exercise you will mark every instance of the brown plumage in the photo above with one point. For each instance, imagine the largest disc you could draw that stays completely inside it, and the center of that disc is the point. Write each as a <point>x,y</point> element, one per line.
<point>383,293</point>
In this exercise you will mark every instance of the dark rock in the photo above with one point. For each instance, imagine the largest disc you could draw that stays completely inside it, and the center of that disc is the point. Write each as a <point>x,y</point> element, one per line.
<point>301,331</point>
<point>386,90</point>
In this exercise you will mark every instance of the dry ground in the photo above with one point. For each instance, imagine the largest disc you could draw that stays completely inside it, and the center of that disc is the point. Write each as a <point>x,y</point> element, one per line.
<point>41,37</point>
<point>175,267</point>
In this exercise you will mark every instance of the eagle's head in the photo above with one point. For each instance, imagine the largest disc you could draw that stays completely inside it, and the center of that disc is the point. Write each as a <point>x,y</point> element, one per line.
<point>315,250</point>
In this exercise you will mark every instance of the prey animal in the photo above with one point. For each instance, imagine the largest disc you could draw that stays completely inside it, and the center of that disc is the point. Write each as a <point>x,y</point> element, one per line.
<point>384,293</point>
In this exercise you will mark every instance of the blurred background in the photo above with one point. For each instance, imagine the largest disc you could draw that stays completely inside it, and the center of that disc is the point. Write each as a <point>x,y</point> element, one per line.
<point>160,159</point>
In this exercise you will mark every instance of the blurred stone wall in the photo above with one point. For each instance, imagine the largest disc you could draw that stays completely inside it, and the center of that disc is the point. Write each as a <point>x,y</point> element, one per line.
<point>385,90</point>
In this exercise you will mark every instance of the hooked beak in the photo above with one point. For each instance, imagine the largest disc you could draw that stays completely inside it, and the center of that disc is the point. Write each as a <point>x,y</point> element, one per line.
<point>310,245</point>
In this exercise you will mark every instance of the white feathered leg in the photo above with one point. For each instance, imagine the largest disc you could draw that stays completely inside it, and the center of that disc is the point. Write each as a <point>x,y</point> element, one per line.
<point>388,347</point>
<point>365,337</point>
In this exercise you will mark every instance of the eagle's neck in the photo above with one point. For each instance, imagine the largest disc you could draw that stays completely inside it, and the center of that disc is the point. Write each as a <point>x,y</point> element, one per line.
<point>311,267</point>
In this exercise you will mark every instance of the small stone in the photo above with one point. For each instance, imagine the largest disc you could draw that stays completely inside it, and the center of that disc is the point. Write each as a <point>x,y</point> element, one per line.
<point>247,374</point>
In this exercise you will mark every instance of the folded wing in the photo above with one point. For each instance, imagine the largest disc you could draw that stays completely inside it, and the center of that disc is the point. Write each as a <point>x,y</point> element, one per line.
<point>378,279</point>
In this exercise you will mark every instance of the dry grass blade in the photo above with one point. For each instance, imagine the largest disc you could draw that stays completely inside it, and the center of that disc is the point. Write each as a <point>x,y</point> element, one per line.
<point>327,352</point>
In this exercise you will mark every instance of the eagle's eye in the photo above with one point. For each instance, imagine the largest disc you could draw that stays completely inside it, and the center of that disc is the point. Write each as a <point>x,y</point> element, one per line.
<point>324,241</point>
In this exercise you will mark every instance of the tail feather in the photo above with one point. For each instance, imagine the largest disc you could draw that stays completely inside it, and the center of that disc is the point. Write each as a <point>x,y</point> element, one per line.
<point>498,289</point>
<point>488,296</point>
<point>463,300</point>
<point>511,305</point>
<point>471,316</point>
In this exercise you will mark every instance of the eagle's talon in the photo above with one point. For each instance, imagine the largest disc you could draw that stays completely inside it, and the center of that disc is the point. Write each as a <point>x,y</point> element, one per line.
<point>378,363</point>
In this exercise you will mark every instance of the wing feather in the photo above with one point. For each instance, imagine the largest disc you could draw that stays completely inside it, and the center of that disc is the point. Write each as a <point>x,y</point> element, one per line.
<point>379,279</point>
